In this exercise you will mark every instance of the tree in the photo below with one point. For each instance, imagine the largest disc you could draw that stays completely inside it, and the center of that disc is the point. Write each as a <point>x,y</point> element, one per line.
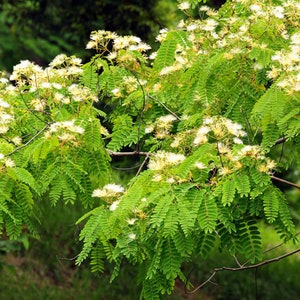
<point>204,115</point>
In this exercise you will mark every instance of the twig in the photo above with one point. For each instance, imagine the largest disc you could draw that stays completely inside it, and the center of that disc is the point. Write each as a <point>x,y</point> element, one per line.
<point>163,105</point>
<point>30,140</point>
<point>113,153</point>
<point>286,182</point>
<point>243,268</point>
<point>143,163</point>
<point>280,141</point>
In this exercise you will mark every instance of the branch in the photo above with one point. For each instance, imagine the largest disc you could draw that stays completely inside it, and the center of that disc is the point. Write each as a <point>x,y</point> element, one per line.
<point>30,140</point>
<point>280,141</point>
<point>163,105</point>
<point>113,153</point>
<point>286,182</point>
<point>243,268</point>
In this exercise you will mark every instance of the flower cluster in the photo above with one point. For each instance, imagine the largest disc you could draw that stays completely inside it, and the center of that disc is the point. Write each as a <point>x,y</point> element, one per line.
<point>221,128</point>
<point>62,67</point>
<point>162,126</point>
<point>100,40</point>
<point>6,116</point>
<point>162,160</point>
<point>6,162</point>
<point>65,131</point>
<point>128,85</point>
<point>108,192</point>
<point>288,61</point>
<point>181,62</point>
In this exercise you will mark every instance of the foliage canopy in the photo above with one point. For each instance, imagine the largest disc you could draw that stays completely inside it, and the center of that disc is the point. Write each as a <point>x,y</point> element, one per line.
<point>204,114</point>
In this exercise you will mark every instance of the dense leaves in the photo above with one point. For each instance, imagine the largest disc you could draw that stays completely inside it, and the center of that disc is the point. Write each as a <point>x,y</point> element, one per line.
<point>203,115</point>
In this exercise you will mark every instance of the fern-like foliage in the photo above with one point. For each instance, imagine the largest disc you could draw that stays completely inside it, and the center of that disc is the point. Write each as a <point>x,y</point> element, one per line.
<point>212,115</point>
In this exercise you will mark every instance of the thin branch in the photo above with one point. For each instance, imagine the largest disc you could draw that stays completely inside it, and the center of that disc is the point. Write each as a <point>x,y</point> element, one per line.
<point>113,153</point>
<point>286,182</point>
<point>163,105</point>
<point>33,112</point>
<point>143,163</point>
<point>30,140</point>
<point>280,141</point>
<point>242,268</point>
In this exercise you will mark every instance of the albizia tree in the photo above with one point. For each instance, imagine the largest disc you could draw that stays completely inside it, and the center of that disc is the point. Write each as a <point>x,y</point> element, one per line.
<point>204,115</point>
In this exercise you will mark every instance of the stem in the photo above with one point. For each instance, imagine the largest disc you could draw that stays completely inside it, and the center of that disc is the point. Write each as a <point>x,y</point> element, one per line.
<point>286,182</point>
<point>113,153</point>
<point>280,141</point>
<point>243,268</point>
<point>29,141</point>
<point>163,105</point>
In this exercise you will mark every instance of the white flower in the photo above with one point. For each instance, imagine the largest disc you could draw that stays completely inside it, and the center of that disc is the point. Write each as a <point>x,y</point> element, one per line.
<point>144,199</point>
<point>162,159</point>
<point>17,140</point>
<point>131,221</point>
<point>4,103</point>
<point>114,205</point>
<point>200,165</point>
<point>203,130</point>
<point>166,70</point>
<point>255,7</point>
<point>174,159</point>
<point>109,190</point>
<point>204,8</point>
<point>278,12</point>
<point>132,236</point>
<point>210,25</point>
<point>114,188</point>
<point>46,85</point>
<point>56,85</point>
<point>1,156</point>
<point>170,180</point>
<point>58,60</point>
<point>237,140</point>
<point>156,178</point>
<point>4,80</point>
<point>192,27</point>
<point>112,55</point>
<point>166,119</point>
<point>184,5</point>
<point>116,92</point>
<point>207,121</point>
<point>9,163</point>
<point>200,139</point>
<point>66,125</point>
<point>149,129</point>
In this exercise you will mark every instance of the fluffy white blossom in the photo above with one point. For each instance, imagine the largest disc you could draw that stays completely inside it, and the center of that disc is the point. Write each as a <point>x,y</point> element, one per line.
<point>162,159</point>
<point>132,236</point>
<point>109,190</point>
<point>184,5</point>
<point>278,12</point>
<point>66,125</point>
<point>200,165</point>
<point>131,221</point>
<point>4,104</point>
<point>114,205</point>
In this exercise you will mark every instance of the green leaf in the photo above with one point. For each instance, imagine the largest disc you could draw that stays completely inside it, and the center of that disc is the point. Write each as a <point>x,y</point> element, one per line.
<point>208,213</point>
<point>24,176</point>
<point>228,191</point>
